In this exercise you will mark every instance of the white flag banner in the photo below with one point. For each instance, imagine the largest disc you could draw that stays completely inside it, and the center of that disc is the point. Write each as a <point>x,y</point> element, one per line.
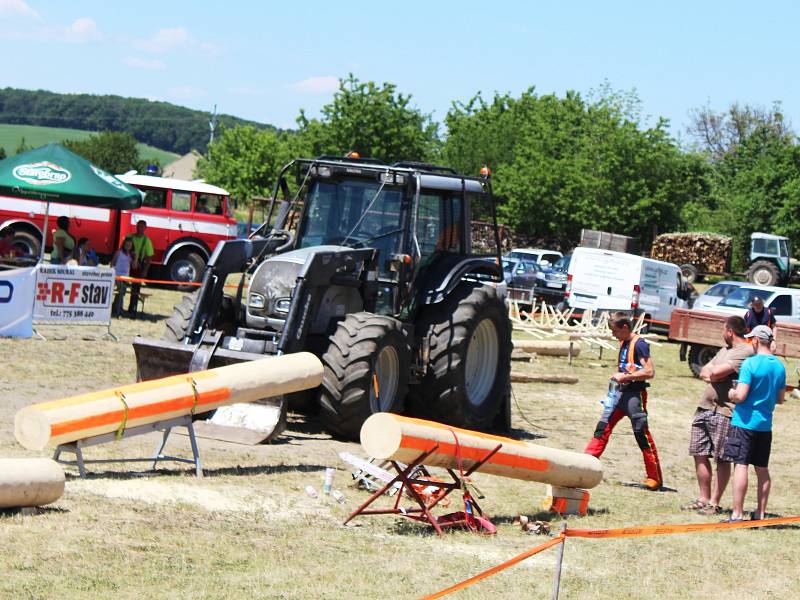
<point>16,302</point>
<point>73,294</point>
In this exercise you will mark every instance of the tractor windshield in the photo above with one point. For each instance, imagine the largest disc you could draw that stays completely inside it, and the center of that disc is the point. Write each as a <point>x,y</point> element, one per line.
<point>349,213</point>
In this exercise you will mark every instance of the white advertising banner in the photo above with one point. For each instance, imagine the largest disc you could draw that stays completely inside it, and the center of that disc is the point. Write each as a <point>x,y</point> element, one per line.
<point>16,302</point>
<point>73,294</point>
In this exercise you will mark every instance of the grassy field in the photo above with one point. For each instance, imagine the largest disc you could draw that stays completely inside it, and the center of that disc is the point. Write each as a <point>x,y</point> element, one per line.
<point>248,530</point>
<point>35,136</point>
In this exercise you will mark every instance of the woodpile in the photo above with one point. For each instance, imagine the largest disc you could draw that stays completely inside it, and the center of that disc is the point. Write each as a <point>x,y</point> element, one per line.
<point>609,241</point>
<point>707,252</point>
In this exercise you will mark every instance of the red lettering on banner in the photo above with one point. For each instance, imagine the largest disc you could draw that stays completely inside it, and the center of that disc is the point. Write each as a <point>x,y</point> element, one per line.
<point>73,291</point>
<point>57,293</point>
<point>42,292</point>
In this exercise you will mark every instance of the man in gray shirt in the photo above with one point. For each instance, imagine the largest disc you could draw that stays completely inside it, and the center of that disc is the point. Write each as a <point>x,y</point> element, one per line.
<point>712,419</point>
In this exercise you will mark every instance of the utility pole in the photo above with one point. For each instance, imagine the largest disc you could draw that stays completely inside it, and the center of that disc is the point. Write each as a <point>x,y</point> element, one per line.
<point>212,125</point>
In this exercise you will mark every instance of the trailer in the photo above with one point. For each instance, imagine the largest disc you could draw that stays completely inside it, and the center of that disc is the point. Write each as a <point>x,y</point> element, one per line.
<point>700,335</point>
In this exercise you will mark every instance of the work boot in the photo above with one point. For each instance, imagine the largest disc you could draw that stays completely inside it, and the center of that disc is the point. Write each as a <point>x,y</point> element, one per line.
<point>651,484</point>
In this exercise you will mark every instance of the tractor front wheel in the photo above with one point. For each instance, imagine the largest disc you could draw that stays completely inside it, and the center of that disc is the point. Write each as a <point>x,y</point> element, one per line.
<point>365,371</point>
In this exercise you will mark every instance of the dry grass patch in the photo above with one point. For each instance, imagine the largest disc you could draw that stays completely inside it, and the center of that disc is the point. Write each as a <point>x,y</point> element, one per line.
<point>248,530</point>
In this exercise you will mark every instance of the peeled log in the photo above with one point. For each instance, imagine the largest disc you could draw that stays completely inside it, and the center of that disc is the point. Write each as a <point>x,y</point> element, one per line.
<point>387,436</point>
<point>547,348</point>
<point>525,378</point>
<point>96,413</point>
<point>30,482</point>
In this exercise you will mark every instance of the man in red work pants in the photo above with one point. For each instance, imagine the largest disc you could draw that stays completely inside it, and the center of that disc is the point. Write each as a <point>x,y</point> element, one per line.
<point>635,367</point>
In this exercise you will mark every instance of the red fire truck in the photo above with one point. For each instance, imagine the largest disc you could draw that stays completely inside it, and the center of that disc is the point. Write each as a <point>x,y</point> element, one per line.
<point>185,221</point>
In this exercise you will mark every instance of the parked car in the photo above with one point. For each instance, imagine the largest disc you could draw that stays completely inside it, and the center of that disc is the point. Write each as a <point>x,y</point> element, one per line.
<point>716,293</point>
<point>604,280</point>
<point>562,264</point>
<point>528,281</point>
<point>784,302</point>
<point>536,255</point>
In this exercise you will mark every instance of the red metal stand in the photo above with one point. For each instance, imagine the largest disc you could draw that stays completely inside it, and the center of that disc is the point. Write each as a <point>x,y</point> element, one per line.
<point>423,512</point>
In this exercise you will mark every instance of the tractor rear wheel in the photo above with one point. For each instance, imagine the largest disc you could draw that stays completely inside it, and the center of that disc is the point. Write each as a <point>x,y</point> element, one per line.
<point>366,371</point>
<point>763,272</point>
<point>469,361</point>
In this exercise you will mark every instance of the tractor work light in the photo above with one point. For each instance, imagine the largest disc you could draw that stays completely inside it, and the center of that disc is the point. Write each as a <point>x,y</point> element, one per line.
<point>392,178</point>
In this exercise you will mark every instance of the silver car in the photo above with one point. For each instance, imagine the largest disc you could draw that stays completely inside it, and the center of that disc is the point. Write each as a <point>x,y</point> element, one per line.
<point>716,294</point>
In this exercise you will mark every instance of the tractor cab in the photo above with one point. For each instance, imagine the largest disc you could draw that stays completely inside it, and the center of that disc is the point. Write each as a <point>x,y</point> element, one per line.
<point>770,259</point>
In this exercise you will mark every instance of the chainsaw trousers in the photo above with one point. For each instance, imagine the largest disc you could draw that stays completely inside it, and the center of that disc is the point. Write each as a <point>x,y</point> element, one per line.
<point>632,404</point>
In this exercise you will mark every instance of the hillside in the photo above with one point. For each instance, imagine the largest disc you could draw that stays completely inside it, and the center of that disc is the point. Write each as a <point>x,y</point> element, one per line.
<point>159,124</point>
<point>35,136</point>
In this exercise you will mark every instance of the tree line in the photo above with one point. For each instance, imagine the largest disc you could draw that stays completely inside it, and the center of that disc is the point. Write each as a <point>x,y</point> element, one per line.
<point>559,164</point>
<point>159,124</point>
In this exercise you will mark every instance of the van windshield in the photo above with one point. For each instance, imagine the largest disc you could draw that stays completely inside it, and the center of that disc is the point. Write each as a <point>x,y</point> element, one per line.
<point>742,297</point>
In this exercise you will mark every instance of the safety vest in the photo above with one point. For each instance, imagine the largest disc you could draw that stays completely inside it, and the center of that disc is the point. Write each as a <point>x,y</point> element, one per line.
<point>630,358</point>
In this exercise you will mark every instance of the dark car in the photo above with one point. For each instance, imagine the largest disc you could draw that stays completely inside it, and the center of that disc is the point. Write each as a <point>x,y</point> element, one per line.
<point>528,281</point>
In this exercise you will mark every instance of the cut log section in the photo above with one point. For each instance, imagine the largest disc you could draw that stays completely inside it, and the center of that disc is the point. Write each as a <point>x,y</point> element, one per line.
<point>547,348</point>
<point>28,482</point>
<point>387,436</point>
<point>525,378</point>
<point>96,413</point>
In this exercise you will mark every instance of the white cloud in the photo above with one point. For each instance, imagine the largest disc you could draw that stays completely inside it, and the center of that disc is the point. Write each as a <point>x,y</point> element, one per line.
<point>324,84</point>
<point>17,8</point>
<point>135,62</point>
<point>82,30</point>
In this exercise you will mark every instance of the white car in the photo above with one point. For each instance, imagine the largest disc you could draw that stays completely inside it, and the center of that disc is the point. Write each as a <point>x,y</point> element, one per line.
<point>784,302</point>
<point>716,294</point>
<point>536,255</point>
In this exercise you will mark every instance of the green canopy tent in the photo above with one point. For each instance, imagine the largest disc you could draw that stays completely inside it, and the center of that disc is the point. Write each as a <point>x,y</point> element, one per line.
<point>54,174</point>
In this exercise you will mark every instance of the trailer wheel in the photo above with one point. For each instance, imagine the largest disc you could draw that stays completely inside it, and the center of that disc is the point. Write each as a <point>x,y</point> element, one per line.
<point>763,272</point>
<point>469,359</point>
<point>700,356</point>
<point>366,371</point>
<point>691,273</point>
<point>186,266</point>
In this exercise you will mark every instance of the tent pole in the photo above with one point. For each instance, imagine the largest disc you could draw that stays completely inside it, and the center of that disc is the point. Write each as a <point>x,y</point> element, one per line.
<point>44,232</point>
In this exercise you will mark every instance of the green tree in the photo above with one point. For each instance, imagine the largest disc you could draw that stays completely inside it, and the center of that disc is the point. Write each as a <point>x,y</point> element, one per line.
<point>246,161</point>
<point>110,150</point>
<point>375,121</point>
<point>2,153</point>
<point>563,164</point>
<point>22,146</point>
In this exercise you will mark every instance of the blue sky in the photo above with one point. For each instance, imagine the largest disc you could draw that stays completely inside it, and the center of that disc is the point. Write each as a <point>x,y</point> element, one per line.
<point>266,60</point>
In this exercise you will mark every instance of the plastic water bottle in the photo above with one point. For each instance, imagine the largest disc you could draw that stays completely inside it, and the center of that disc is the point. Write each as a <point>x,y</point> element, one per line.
<point>611,399</point>
<point>328,485</point>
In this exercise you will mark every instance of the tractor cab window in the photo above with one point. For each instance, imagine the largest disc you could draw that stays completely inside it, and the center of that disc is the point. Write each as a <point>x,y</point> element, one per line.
<point>439,224</point>
<point>784,249</point>
<point>765,247</point>
<point>349,213</point>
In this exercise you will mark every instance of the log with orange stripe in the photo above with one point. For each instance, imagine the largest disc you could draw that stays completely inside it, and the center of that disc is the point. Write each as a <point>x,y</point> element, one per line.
<point>391,437</point>
<point>96,413</point>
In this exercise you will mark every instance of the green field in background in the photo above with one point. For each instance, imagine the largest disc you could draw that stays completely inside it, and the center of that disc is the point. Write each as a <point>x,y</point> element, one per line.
<point>35,136</point>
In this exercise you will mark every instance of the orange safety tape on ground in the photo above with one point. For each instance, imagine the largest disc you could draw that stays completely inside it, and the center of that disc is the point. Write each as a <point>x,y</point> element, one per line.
<point>648,530</point>
<point>640,531</point>
<point>501,567</point>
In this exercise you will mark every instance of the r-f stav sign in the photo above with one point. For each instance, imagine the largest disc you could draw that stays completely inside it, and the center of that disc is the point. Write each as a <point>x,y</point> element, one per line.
<point>75,294</point>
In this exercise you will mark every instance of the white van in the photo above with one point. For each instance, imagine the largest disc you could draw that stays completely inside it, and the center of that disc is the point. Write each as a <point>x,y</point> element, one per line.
<point>604,280</point>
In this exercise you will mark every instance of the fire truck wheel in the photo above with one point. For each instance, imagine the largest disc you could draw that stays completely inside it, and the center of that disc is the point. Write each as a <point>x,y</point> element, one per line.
<point>186,266</point>
<point>27,243</point>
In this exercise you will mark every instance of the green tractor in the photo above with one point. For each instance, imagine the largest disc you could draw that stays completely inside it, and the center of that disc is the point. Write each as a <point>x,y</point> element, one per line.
<point>372,268</point>
<point>770,260</point>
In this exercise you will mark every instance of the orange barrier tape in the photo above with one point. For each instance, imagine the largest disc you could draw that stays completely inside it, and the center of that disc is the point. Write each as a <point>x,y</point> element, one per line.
<point>648,530</point>
<point>162,281</point>
<point>501,567</point>
<point>640,531</point>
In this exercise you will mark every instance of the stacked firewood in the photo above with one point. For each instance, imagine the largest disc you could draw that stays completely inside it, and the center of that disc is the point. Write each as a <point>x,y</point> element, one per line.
<point>708,252</point>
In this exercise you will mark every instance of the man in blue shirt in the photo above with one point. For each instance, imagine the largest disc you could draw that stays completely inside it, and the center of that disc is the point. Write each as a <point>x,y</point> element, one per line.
<point>762,384</point>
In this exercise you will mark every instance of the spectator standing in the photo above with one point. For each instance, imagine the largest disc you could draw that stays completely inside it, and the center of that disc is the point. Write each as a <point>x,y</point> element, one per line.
<point>758,315</point>
<point>143,251</point>
<point>63,242</point>
<point>87,257</point>
<point>121,263</point>
<point>762,385</point>
<point>712,419</point>
<point>634,368</point>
